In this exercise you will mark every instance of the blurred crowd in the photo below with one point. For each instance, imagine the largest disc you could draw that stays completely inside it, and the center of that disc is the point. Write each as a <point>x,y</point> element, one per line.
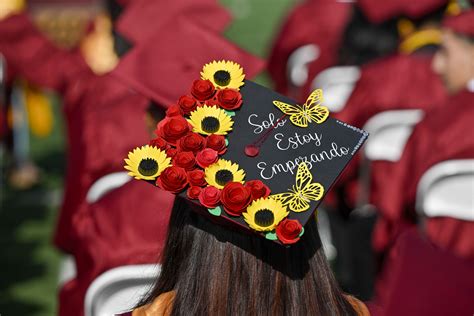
<point>397,226</point>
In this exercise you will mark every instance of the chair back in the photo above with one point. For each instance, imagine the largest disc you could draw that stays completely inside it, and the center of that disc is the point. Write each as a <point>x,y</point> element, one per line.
<point>106,184</point>
<point>120,289</point>
<point>447,190</point>
<point>389,131</point>
<point>297,65</point>
<point>337,84</point>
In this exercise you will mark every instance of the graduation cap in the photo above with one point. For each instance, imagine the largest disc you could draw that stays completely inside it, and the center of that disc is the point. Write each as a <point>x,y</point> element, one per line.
<point>142,17</point>
<point>245,155</point>
<point>161,67</point>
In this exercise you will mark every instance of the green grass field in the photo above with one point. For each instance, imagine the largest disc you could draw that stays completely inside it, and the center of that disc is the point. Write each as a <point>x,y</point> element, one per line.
<point>29,263</point>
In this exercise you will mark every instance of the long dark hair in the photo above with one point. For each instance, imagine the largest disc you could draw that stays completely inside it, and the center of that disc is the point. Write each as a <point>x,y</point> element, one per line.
<point>216,270</point>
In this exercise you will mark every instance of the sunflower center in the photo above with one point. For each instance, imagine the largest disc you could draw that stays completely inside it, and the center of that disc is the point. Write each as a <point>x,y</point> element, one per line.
<point>264,218</point>
<point>148,167</point>
<point>210,124</point>
<point>223,176</point>
<point>222,77</point>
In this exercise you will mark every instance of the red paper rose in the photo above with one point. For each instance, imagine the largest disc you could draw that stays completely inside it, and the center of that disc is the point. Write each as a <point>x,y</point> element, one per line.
<point>193,192</point>
<point>235,197</point>
<point>184,159</point>
<point>202,89</point>
<point>229,99</point>
<point>172,179</point>
<point>210,197</point>
<point>288,231</point>
<point>196,178</point>
<point>159,143</point>
<point>171,152</point>
<point>258,189</point>
<point>206,157</point>
<point>172,128</point>
<point>191,142</point>
<point>187,104</point>
<point>216,142</point>
<point>173,110</point>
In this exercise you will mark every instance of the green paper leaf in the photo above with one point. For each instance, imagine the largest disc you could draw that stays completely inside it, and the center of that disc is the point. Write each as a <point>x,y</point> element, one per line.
<point>226,142</point>
<point>215,211</point>
<point>230,113</point>
<point>302,232</point>
<point>271,235</point>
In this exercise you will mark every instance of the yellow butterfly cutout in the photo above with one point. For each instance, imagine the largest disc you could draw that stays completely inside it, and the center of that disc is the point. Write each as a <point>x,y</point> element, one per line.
<point>310,111</point>
<point>301,194</point>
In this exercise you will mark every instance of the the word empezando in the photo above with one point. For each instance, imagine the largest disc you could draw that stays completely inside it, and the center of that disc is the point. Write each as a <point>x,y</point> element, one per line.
<point>268,172</point>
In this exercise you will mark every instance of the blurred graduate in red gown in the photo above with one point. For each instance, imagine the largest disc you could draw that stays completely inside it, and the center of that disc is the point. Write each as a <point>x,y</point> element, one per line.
<point>97,107</point>
<point>381,85</point>
<point>429,269</point>
<point>441,135</point>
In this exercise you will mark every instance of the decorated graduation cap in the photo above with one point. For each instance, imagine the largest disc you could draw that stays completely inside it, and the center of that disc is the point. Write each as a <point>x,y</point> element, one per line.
<point>245,155</point>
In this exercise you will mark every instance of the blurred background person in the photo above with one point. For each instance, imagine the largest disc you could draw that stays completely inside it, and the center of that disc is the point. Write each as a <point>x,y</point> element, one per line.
<point>421,234</point>
<point>382,87</point>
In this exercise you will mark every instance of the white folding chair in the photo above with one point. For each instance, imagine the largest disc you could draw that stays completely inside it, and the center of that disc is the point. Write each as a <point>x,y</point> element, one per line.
<point>297,65</point>
<point>337,84</point>
<point>447,190</point>
<point>389,131</point>
<point>120,289</point>
<point>106,184</point>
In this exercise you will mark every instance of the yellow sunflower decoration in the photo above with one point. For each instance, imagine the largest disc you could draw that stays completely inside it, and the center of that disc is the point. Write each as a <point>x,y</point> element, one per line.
<point>222,172</point>
<point>224,74</point>
<point>265,214</point>
<point>146,162</point>
<point>210,120</point>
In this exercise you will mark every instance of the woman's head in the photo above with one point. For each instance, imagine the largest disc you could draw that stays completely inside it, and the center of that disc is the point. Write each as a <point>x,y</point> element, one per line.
<point>217,270</point>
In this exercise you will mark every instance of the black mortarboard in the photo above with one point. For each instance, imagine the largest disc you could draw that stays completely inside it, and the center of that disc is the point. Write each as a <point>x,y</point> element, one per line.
<point>268,163</point>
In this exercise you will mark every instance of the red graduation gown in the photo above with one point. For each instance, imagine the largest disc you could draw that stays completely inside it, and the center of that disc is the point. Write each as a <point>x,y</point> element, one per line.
<point>319,22</point>
<point>441,135</point>
<point>104,119</point>
<point>388,84</point>
<point>126,226</point>
<point>421,279</point>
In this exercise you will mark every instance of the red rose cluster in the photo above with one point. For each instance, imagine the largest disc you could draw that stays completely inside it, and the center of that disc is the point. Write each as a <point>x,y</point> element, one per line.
<point>191,152</point>
<point>235,196</point>
<point>204,92</point>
